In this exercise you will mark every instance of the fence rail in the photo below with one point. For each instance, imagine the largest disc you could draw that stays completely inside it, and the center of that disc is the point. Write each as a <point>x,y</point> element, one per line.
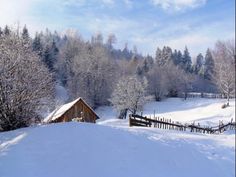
<point>205,95</point>
<point>162,123</point>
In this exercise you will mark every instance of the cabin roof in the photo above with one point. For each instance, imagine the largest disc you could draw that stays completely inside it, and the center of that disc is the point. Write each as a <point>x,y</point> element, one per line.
<point>58,112</point>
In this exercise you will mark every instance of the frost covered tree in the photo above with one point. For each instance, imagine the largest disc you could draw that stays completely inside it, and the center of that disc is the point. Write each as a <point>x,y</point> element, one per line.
<point>25,33</point>
<point>209,65</point>
<point>87,71</point>
<point>129,94</point>
<point>157,82</point>
<point>6,30</point>
<point>158,56</point>
<point>224,57</point>
<point>50,55</point>
<point>1,32</point>
<point>37,45</point>
<point>186,60</point>
<point>186,80</point>
<point>163,56</point>
<point>25,83</point>
<point>198,67</point>
<point>111,40</point>
<point>95,75</point>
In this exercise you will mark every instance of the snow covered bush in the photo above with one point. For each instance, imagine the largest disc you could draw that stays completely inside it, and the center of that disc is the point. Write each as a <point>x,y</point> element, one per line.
<point>25,83</point>
<point>129,94</point>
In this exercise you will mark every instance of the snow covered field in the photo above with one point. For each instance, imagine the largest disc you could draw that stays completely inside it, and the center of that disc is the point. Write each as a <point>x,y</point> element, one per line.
<point>111,149</point>
<point>202,110</point>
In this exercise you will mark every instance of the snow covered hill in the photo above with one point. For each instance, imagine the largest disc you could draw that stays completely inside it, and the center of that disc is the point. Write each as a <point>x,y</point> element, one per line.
<point>112,149</point>
<point>202,110</point>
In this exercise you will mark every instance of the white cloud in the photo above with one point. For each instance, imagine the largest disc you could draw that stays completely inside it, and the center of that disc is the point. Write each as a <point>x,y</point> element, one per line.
<point>107,24</point>
<point>108,1</point>
<point>13,11</point>
<point>195,42</point>
<point>74,2</point>
<point>128,3</point>
<point>178,5</point>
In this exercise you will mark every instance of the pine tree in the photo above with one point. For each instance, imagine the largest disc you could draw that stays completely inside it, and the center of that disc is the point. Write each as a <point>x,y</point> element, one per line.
<point>199,64</point>
<point>6,30</point>
<point>25,33</point>
<point>158,57</point>
<point>166,55</point>
<point>126,53</point>
<point>209,65</point>
<point>179,57</point>
<point>37,45</point>
<point>175,57</point>
<point>186,61</point>
<point>147,64</point>
<point>163,56</point>
<point>1,32</point>
<point>50,55</point>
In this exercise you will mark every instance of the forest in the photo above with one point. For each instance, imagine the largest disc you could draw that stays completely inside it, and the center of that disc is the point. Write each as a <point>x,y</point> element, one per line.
<point>32,66</point>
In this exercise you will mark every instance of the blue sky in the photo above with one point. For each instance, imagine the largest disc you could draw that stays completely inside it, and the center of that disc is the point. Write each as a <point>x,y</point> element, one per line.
<point>147,24</point>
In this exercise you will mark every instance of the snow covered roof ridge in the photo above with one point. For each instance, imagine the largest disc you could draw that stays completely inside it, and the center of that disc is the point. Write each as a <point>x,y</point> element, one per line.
<point>58,112</point>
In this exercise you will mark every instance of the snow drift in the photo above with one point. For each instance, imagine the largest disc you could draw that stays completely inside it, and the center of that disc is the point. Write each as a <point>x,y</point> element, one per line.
<point>89,150</point>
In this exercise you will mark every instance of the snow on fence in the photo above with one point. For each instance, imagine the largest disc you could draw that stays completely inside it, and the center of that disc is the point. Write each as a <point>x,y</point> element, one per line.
<point>162,123</point>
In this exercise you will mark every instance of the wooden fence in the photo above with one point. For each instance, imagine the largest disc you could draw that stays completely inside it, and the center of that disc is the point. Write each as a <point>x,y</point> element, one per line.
<point>204,95</point>
<point>162,123</point>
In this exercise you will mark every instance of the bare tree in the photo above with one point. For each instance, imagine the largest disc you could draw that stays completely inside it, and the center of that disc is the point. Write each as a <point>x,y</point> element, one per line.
<point>157,82</point>
<point>224,56</point>
<point>111,40</point>
<point>25,83</point>
<point>88,71</point>
<point>129,94</point>
<point>95,76</point>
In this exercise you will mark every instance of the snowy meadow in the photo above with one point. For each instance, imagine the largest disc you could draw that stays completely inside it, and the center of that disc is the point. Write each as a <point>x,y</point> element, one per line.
<point>115,149</point>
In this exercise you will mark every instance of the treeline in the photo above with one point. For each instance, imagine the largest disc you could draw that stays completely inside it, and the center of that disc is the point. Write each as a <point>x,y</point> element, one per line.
<point>99,73</point>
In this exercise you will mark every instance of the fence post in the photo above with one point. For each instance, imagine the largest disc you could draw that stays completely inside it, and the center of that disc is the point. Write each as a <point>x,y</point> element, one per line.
<point>130,120</point>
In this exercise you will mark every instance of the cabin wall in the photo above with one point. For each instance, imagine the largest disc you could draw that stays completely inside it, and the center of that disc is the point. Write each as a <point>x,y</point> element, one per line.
<point>79,110</point>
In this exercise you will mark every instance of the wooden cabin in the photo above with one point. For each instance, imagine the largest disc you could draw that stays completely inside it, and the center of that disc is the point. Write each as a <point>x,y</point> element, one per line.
<point>77,110</point>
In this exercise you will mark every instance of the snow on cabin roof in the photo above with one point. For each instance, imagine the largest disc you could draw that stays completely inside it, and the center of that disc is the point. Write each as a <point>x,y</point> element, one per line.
<point>58,112</point>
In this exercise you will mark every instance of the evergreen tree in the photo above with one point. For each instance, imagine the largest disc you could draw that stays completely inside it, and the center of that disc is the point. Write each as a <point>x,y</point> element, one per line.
<point>25,33</point>
<point>158,57</point>
<point>126,53</point>
<point>1,32</point>
<point>175,57</point>
<point>50,55</point>
<point>163,56</point>
<point>209,65</point>
<point>166,55</point>
<point>37,45</point>
<point>186,61</point>
<point>147,64</point>
<point>179,57</point>
<point>6,30</point>
<point>199,64</point>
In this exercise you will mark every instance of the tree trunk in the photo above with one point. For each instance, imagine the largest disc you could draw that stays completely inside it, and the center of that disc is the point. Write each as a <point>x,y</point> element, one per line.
<point>123,114</point>
<point>185,95</point>
<point>228,99</point>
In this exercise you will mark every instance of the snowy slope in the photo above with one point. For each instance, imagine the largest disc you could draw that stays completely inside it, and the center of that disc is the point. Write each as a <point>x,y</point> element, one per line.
<point>112,149</point>
<point>202,110</point>
<point>89,150</point>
